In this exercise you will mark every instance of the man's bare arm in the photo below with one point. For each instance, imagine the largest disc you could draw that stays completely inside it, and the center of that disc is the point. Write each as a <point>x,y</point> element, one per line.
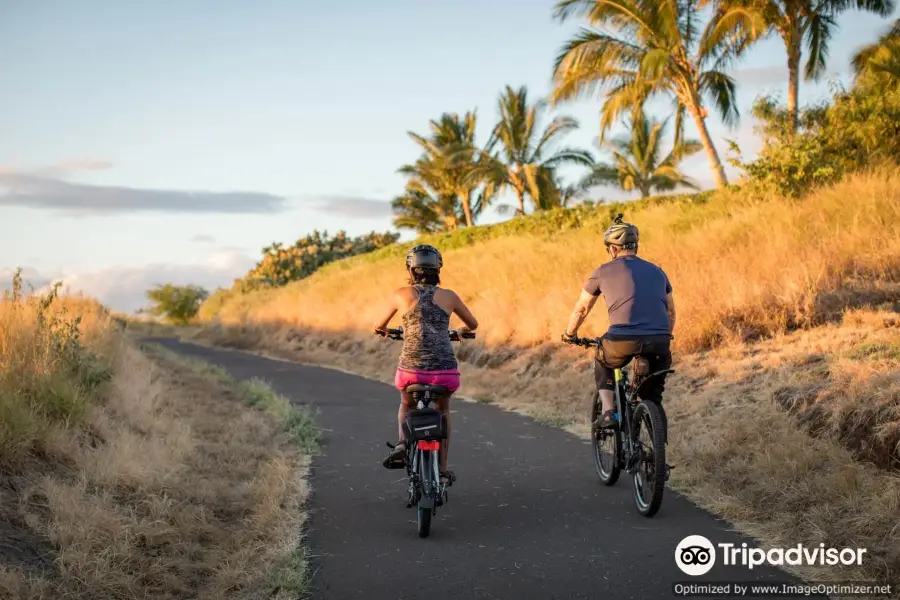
<point>670,309</point>
<point>582,309</point>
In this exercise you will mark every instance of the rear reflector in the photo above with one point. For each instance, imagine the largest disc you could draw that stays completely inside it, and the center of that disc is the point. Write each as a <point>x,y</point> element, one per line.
<point>423,445</point>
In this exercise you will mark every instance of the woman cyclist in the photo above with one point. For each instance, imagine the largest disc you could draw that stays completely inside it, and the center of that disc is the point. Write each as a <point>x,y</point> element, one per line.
<point>427,356</point>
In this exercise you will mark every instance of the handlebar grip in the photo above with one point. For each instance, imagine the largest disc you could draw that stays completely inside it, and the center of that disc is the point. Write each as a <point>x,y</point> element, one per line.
<point>469,335</point>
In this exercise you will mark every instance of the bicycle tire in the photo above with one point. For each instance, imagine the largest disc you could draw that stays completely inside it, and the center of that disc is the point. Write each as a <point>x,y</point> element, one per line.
<point>423,510</point>
<point>652,413</point>
<point>611,475</point>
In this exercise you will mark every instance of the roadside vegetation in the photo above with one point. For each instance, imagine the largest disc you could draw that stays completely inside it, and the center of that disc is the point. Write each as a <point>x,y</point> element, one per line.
<point>125,474</point>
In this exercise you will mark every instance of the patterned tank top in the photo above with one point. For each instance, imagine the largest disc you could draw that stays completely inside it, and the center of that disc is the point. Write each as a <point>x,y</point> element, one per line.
<point>426,344</point>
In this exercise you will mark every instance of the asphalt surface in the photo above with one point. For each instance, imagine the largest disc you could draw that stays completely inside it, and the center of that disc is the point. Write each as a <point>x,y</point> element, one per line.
<point>527,517</point>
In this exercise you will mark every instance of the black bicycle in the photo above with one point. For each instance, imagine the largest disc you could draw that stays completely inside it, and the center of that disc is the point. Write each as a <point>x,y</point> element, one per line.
<point>424,429</point>
<point>621,447</point>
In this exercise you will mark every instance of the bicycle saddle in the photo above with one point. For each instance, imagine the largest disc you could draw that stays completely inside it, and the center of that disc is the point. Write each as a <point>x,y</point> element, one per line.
<point>421,387</point>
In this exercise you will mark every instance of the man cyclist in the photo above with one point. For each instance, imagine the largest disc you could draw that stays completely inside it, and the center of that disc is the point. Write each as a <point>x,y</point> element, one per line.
<point>641,315</point>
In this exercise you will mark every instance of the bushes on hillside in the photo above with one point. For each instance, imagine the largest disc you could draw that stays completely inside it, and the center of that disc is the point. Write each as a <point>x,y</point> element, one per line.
<point>859,130</point>
<point>280,265</point>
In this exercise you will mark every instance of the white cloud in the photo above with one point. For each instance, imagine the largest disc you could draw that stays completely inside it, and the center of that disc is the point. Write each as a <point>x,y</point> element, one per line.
<point>124,289</point>
<point>46,188</point>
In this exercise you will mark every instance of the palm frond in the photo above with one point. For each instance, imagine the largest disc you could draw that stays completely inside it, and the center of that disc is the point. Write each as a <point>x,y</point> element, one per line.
<point>557,127</point>
<point>593,61</point>
<point>820,29</point>
<point>732,30</point>
<point>722,90</point>
<point>620,100</point>
<point>575,156</point>
<point>565,9</point>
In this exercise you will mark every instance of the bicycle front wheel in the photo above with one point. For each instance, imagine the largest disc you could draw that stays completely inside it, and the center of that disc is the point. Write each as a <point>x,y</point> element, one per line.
<point>606,446</point>
<point>649,478</point>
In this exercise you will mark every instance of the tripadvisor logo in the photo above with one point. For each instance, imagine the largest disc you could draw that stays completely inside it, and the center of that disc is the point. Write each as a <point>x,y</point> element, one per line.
<point>695,555</point>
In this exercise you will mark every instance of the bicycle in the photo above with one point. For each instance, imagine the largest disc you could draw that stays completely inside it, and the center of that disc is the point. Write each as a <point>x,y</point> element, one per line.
<point>424,428</point>
<point>646,463</point>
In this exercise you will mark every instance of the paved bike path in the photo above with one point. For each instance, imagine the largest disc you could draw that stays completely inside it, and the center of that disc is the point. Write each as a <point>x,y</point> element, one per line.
<point>527,517</point>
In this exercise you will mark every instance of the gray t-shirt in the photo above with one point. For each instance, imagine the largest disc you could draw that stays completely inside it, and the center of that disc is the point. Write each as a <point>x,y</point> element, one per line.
<point>635,292</point>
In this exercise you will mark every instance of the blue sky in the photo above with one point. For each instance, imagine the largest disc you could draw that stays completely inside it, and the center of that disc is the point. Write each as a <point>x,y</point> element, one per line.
<point>298,111</point>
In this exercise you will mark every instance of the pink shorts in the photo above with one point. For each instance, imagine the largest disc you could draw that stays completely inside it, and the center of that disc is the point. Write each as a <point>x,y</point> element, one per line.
<point>447,379</point>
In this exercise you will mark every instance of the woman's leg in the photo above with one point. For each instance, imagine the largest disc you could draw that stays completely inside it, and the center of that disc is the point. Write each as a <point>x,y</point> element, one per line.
<point>444,407</point>
<point>405,403</point>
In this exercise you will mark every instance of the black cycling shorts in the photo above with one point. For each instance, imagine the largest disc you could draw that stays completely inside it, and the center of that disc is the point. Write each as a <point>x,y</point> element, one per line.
<point>616,351</point>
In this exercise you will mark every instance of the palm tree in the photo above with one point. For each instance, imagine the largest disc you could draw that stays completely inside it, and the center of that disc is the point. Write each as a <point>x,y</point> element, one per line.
<point>794,21</point>
<point>429,204</point>
<point>569,193</point>
<point>525,163</point>
<point>451,159</point>
<point>636,161</point>
<point>637,49</point>
<point>880,62</point>
<point>423,212</point>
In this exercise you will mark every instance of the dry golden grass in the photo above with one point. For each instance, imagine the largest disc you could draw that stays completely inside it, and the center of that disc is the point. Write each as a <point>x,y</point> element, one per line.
<point>164,483</point>
<point>747,273</point>
<point>52,362</point>
<point>740,266</point>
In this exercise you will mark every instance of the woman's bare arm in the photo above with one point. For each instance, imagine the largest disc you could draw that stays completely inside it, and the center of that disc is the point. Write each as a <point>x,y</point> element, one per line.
<point>389,311</point>
<point>463,312</point>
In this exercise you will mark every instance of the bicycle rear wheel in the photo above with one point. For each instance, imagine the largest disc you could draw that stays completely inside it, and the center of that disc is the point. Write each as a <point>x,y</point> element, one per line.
<point>425,508</point>
<point>607,447</point>
<point>649,480</point>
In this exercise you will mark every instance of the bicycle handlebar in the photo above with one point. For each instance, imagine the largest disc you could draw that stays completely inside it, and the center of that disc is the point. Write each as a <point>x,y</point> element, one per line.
<point>397,334</point>
<point>589,342</point>
<point>583,342</point>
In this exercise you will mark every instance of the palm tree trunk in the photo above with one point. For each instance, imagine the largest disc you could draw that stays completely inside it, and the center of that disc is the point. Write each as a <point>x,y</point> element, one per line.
<point>714,161</point>
<point>467,208</point>
<point>521,195</point>
<point>793,42</point>
<point>793,86</point>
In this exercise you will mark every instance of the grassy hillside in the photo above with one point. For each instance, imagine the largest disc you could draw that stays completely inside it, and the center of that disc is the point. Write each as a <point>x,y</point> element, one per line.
<point>742,266</point>
<point>126,475</point>
<point>783,412</point>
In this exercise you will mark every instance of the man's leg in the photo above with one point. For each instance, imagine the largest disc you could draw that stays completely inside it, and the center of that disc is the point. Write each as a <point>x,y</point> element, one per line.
<point>659,355</point>
<point>612,354</point>
<point>603,376</point>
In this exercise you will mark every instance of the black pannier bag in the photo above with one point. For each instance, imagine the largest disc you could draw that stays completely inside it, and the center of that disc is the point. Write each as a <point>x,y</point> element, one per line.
<point>424,424</point>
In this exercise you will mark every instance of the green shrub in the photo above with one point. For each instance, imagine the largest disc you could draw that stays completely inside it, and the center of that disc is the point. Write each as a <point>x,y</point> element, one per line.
<point>176,303</point>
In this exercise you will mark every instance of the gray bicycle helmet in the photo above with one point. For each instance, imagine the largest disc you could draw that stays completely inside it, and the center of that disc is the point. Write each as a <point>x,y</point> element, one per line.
<point>622,234</point>
<point>424,256</point>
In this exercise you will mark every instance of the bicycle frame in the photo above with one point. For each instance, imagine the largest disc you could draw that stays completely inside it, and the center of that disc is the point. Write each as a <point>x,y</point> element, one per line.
<point>624,416</point>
